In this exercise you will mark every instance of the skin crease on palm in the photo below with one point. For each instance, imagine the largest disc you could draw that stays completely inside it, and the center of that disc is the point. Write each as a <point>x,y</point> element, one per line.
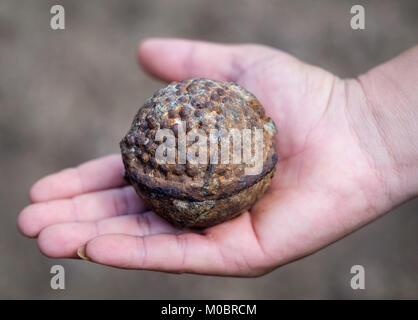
<point>341,165</point>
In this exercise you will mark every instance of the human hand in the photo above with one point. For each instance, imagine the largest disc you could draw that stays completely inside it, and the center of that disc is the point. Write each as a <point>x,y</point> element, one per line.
<point>327,183</point>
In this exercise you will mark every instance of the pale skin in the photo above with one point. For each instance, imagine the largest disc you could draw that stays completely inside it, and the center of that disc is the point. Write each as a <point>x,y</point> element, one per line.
<point>347,149</point>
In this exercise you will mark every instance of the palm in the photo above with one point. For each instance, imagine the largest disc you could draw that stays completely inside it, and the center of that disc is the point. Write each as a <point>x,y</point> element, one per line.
<point>320,166</point>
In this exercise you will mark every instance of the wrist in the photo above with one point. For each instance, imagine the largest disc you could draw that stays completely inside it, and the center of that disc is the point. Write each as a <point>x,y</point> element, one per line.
<point>385,101</point>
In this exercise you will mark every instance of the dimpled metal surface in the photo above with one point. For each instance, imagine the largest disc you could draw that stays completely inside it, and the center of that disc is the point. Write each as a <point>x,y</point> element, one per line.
<point>197,195</point>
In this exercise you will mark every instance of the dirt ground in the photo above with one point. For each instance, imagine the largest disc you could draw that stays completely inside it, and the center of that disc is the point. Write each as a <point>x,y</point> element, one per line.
<point>69,96</point>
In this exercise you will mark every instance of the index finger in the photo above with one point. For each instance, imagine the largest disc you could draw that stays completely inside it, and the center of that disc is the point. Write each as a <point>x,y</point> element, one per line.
<point>99,174</point>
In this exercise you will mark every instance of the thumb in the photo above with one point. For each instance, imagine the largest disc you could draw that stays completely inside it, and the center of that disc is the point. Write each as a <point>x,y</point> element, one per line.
<point>178,59</point>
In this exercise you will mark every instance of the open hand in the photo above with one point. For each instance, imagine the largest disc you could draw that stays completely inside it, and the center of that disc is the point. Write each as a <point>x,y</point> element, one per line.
<point>324,188</point>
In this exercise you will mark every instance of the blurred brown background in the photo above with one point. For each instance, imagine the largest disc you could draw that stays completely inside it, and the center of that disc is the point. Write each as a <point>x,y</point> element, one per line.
<point>69,96</point>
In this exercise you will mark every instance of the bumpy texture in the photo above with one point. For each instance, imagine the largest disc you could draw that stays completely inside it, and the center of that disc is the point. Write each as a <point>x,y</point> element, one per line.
<point>197,195</point>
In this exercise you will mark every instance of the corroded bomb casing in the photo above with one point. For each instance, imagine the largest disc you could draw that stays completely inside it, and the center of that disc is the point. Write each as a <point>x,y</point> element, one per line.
<point>204,176</point>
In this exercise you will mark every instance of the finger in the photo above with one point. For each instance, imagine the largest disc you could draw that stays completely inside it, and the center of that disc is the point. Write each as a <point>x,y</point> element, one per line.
<point>178,59</point>
<point>98,174</point>
<point>86,207</point>
<point>63,240</point>
<point>231,252</point>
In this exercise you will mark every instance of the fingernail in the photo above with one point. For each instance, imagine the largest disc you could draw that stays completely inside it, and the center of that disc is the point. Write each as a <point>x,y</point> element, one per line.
<point>81,252</point>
